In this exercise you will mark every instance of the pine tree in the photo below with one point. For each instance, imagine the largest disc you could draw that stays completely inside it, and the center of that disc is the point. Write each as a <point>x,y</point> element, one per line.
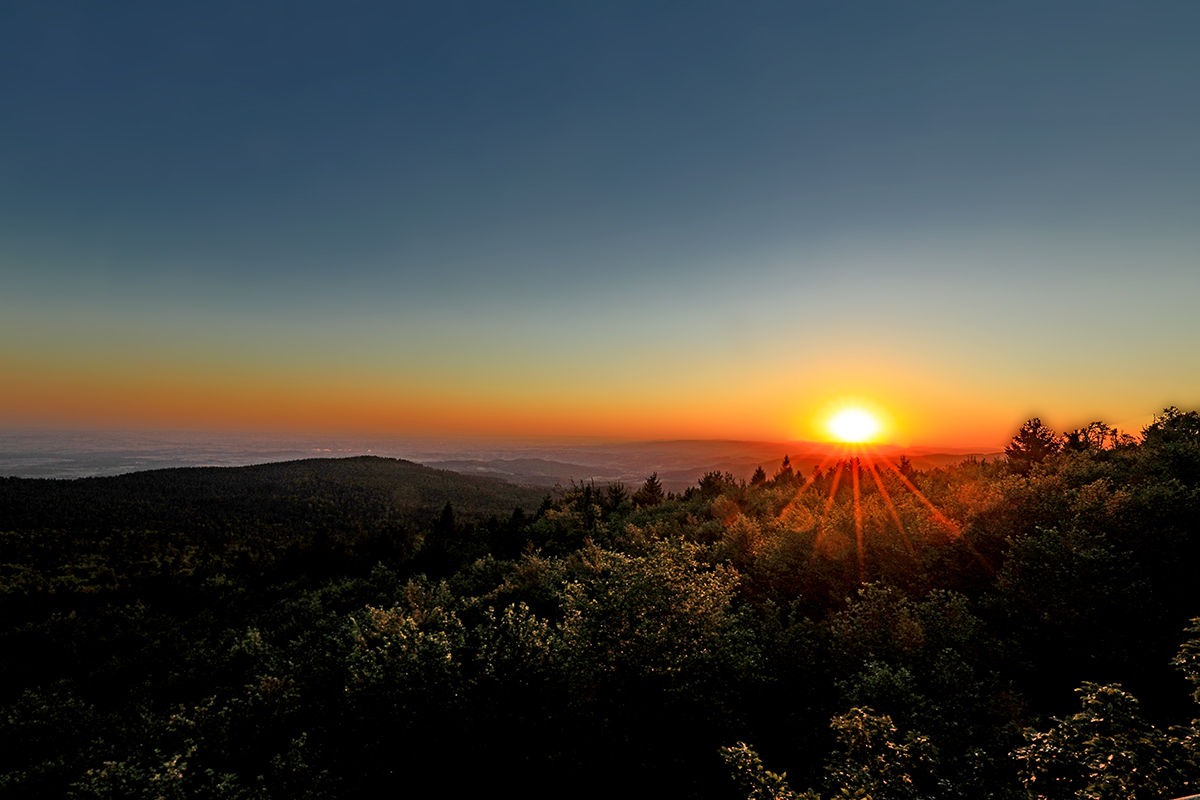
<point>651,493</point>
<point>1033,444</point>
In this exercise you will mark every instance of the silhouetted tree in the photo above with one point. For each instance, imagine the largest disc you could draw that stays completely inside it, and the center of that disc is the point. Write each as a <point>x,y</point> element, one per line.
<point>1033,444</point>
<point>1095,435</point>
<point>759,477</point>
<point>1173,441</point>
<point>713,483</point>
<point>651,493</point>
<point>445,524</point>
<point>785,473</point>
<point>1075,441</point>
<point>1173,426</point>
<point>616,495</point>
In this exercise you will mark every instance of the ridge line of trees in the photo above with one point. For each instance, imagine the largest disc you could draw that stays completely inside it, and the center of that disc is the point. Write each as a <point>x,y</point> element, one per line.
<point>314,634</point>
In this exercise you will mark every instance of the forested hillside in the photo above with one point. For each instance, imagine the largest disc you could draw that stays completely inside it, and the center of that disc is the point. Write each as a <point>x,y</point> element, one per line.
<point>1022,628</point>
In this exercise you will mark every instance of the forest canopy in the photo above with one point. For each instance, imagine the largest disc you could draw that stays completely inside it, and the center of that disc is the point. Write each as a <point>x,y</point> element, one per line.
<point>1020,628</point>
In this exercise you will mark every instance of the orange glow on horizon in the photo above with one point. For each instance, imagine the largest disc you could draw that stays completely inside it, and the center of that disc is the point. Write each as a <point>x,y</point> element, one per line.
<point>854,426</point>
<point>140,391</point>
<point>854,421</point>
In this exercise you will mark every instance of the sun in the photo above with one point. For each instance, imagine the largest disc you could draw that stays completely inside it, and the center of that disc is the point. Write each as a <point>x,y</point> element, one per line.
<point>854,426</point>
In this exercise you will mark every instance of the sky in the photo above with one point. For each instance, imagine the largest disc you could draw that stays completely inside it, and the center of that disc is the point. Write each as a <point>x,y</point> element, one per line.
<point>641,220</point>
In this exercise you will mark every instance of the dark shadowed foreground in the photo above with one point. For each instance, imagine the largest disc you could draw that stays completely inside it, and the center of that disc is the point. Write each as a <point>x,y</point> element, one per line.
<point>1023,628</point>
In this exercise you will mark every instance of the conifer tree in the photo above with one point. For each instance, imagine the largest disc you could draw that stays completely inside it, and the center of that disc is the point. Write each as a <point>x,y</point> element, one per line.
<point>651,493</point>
<point>1033,444</point>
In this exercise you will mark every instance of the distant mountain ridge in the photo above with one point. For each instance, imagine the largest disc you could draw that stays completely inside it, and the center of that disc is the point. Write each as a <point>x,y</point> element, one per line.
<point>679,464</point>
<point>316,493</point>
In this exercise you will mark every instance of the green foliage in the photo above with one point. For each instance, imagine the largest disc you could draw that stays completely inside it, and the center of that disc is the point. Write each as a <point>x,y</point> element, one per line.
<point>651,493</point>
<point>872,760</point>
<point>1106,751</point>
<point>1174,440</point>
<point>754,779</point>
<point>1188,658</point>
<point>514,646</point>
<point>1033,444</point>
<point>1071,593</point>
<point>785,475</point>
<point>617,495</point>
<point>663,617</point>
<point>45,733</point>
<point>416,649</point>
<point>331,629</point>
<point>160,776</point>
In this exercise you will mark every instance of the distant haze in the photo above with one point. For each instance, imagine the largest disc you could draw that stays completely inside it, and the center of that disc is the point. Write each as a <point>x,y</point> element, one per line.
<point>679,464</point>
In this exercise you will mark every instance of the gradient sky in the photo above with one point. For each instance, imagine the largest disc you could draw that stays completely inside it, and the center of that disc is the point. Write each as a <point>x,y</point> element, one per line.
<point>621,219</point>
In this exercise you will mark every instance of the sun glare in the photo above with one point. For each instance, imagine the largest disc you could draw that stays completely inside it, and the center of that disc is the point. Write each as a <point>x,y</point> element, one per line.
<point>854,425</point>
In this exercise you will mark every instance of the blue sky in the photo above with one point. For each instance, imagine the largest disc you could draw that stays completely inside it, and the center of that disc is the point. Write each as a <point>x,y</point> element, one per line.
<point>610,205</point>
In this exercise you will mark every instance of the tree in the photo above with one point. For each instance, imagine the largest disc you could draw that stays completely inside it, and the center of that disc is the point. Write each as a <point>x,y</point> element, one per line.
<point>873,761</point>
<point>1033,444</point>
<point>759,477</point>
<point>758,782</point>
<point>651,493</point>
<point>616,495</point>
<point>1173,425</point>
<point>785,474</point>
<point>715,482</point>
<point>1173,441</point>
<point>1095,435</point>
<point>1105,752</point>
<point>445,525</point>
<point>1188,659</point>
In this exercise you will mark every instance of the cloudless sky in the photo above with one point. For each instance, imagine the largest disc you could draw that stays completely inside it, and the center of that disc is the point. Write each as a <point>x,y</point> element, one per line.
<point>626,219</point>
